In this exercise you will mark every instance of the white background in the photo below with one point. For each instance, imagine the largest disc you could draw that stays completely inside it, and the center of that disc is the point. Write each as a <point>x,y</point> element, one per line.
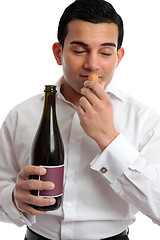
<point>27,31</point>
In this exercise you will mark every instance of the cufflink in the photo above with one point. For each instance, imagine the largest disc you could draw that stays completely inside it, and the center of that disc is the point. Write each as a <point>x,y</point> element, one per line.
<point>104,170</point>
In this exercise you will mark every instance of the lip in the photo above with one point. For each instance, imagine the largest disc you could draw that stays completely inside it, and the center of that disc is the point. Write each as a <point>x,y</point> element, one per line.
<point>86,76</point>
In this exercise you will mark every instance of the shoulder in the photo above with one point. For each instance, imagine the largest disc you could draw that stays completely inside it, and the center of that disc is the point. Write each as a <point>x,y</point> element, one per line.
<point>25,109</point>
<point>130,108</point>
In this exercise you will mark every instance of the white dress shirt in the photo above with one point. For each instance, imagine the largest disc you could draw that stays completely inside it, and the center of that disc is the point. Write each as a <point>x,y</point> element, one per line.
<point>102,190</point>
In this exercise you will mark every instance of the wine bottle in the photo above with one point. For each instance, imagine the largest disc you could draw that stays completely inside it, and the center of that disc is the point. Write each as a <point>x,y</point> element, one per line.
<point>48,151</point>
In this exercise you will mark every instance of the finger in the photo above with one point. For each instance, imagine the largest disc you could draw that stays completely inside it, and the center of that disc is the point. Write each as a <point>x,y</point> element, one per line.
<point>28,209</point>
<point>80,111</point>
<point>81,114</point>
<point>32,170</point>
<point>38,201</point>
<point>85,104</point>
<point>36,185</point>
<point>97,88</point>
<point>26,198</point>
<point>89,94</point>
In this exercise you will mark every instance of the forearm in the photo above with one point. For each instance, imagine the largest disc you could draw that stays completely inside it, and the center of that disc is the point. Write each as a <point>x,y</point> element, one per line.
<point>8,172</point>
<point>8,211</point>
<point>131,175</point>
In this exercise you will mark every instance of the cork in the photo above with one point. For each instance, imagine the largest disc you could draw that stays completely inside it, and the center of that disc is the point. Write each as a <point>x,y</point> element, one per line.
<point>93,77</point>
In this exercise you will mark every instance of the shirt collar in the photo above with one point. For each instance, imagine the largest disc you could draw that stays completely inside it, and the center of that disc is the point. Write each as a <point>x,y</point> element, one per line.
<point>112,91</point>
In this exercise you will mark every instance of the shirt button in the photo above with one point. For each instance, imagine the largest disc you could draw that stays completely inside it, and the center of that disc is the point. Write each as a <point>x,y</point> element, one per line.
<point>69,204</point>
<point>104,170</point>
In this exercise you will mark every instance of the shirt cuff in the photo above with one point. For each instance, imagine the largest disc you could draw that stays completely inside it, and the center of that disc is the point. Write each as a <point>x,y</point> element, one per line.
<point>115,159</point>
<point>13,213</point>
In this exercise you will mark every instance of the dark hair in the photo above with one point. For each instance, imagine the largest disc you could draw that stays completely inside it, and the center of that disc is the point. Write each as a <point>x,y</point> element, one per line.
<point>94,11</point>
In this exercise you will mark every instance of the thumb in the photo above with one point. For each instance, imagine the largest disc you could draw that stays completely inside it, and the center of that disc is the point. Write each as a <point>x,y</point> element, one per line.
<point>102,84</point>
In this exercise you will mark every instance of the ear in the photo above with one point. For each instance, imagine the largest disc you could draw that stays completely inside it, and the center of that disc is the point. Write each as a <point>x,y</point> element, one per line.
<point>120,55</point>
<point>57,51</point>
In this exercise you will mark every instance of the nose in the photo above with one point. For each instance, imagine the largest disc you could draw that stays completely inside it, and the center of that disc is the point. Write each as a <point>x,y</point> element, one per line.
<point>91,62</point>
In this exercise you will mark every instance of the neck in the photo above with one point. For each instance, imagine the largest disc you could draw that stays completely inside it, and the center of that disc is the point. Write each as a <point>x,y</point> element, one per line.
<point>70,94</point>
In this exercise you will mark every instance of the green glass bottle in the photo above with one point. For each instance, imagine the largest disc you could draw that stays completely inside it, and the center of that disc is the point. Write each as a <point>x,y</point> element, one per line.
<point>48,151</point>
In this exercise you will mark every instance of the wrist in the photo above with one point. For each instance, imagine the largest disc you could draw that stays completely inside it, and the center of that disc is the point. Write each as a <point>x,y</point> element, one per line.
<point>104,141</point>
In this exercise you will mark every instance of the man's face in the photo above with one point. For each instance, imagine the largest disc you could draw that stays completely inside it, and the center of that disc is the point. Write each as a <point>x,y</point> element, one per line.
<point>90,48</point>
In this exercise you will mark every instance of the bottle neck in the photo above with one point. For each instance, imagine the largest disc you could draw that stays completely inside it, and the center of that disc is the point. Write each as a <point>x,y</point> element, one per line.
<point>50,102</point>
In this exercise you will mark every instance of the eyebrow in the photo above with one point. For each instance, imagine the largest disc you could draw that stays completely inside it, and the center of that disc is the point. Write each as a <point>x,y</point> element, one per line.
<point>109,44</point>
<point>79,43</point>
<point>86,45</point>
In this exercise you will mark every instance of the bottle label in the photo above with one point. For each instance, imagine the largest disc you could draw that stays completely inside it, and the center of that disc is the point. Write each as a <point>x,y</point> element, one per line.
<point>54,174</point>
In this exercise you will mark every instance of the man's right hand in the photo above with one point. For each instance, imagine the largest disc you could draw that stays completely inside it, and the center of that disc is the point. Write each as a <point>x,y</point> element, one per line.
<point>21,193</point>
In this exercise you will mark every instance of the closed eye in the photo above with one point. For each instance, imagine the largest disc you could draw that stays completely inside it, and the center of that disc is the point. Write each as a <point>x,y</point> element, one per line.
<point>106,54</point>
<point>79,52</point>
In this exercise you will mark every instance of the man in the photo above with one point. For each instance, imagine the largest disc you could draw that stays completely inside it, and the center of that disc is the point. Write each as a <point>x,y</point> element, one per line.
<point>112,154</point>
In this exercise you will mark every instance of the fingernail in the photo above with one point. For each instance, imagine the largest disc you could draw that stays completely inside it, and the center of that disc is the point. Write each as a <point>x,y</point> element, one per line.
<point>52,201</point>
<point>51,185</point>
<point>86,83</point>
<point>42,171</point>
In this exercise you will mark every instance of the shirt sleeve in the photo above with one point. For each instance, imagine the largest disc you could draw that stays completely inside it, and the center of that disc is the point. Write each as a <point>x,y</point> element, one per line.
<point>134,174</point>
<point>9,170</point>
<point>113,162</point>
<point>9,212</point>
